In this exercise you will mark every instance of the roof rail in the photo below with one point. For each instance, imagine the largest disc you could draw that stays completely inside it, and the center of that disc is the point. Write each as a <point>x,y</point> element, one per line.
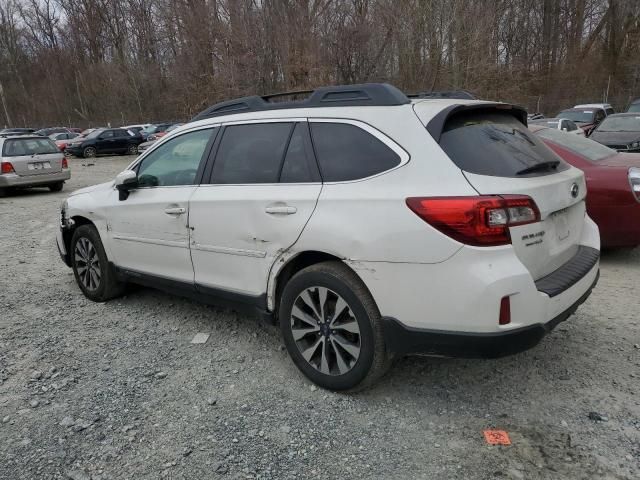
<point>366,94</point>
<point>455,94</point>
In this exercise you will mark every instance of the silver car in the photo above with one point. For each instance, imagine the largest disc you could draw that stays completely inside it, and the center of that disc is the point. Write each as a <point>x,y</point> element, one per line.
<point>31,161</point>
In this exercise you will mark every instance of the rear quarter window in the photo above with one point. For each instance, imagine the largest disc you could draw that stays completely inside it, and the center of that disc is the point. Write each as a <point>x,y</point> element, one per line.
<point>28,146</point>
<point>346,152</point>
<point>495,144</point>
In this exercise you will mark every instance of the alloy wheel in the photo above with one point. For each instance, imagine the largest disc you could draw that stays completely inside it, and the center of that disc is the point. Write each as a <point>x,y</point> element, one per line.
<point>87,264</point>
<point>325,331</point>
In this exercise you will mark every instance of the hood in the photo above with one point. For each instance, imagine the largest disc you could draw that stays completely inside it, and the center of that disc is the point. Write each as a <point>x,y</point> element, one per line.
<point>93,188</point>
<point>615,138</point>
<point>621,160</point>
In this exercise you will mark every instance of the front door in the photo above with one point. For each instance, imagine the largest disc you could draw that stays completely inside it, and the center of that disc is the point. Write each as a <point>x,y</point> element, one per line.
<point>263,189</point>
<point>149,231</point>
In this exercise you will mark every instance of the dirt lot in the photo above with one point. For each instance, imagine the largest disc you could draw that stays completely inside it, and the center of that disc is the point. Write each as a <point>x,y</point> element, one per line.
<point>117,390</point>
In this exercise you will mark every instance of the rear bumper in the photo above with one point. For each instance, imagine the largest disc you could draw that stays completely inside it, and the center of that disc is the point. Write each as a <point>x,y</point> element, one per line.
<point>14,180</point>
<point>402,340</point>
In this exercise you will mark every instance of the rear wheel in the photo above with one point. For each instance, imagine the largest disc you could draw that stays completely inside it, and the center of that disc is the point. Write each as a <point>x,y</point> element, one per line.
<point>94,275</point>
<point>132,150</point>
<point>331,327</point>
<point>56,187</point>
<point>89,152</point>
<point>3,192</point>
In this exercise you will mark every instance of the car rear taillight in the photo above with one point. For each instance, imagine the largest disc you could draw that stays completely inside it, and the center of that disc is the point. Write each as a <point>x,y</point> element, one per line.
<point>481,221</point>
<point>634,181</point>
<point>6,167</point>
<point>65,164</point>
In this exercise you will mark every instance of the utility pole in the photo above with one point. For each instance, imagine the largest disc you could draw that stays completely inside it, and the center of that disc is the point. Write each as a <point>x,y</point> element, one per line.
<point>4,105</point>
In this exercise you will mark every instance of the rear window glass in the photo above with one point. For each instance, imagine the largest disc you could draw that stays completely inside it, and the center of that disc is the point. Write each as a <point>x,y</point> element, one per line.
<point>346,152</point>
<point>28,146</point>
<point>496,144</point>
<point>586,147</point>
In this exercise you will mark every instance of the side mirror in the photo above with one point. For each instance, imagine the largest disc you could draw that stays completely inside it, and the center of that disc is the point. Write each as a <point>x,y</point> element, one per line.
<point>125,182</point>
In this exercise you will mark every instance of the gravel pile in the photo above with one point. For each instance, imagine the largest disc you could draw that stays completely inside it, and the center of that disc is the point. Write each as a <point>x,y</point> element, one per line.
<point>117,390</point>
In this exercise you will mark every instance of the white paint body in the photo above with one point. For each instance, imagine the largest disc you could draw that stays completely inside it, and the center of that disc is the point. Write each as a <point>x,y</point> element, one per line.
<point>227,239</point>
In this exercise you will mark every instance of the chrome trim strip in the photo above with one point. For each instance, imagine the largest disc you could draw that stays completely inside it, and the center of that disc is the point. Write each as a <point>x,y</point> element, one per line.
<point>152,241</point>
<point>228,250</point>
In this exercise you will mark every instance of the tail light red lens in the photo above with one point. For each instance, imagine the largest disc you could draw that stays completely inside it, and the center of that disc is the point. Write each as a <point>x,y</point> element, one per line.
<point>6,167</point>
<point>65,164</point>
<point>480,221</point>
<point>505,311</point>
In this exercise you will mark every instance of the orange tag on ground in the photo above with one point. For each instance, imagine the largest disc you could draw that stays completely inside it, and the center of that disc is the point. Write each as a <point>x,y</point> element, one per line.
<point>497,437</point>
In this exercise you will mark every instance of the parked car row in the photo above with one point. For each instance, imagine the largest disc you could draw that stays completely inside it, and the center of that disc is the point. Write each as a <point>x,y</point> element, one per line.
<point>619,131</point>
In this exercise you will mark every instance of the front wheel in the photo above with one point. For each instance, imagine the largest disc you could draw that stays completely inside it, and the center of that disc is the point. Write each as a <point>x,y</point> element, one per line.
<point>331,327</point>
<point>94,275</point>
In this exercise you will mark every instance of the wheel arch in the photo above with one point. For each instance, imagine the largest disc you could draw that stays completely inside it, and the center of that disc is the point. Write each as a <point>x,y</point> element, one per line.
<point>287,265</point>
<point>67,233</point>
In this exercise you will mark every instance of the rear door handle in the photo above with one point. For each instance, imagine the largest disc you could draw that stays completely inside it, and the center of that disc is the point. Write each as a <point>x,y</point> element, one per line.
<point>175,210</point>
<point>281,209</point>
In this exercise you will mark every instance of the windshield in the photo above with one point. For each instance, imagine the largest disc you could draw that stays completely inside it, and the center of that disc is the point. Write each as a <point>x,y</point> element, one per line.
<point>496,144</point>
<point>634,107</point>
<point>29,146</point>
<point>94,134</point>
<point>149,129</point>
<point>590,149</point>
<point>620,124</point>
<point>583,116</point>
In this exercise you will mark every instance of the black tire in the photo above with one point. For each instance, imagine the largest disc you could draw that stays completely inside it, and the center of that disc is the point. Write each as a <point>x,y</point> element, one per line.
<point>108,286</point>
<point>56,187</point>
<point>3,192</point>
<point>132,150</point>
<point>89,152</point>
<point>373,360</point>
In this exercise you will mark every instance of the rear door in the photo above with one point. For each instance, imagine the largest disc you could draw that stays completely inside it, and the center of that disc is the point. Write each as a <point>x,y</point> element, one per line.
<point>500,156</point>
<point>263,188</point>
<point>33,155</point>
<point>121,140</point>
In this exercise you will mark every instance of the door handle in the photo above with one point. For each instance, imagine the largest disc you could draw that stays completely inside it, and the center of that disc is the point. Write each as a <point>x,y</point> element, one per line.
<point>175,210</point>
<point>281,209</point>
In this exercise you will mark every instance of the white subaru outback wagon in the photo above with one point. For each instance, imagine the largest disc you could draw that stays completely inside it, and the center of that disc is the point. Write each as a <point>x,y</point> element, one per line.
<point>368,224</point>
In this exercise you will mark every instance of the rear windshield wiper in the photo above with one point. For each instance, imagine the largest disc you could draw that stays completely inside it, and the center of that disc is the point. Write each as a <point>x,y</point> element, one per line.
<point>539,167</point>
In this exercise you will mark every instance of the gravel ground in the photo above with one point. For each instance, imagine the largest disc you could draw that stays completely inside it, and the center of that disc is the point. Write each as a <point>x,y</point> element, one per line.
<point>116,390</point>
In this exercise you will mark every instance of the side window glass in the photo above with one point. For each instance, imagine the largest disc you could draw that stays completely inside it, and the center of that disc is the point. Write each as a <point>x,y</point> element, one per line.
<point>346,152</point>
<point>299,163</point>
<point>251,153</point>
<point>176,162</point>
<point>572,126</point>
<point>106,134</point>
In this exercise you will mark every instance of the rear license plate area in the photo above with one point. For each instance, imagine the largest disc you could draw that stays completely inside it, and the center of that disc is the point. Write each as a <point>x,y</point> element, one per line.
<point>39,165</point>
<point>561,223</point>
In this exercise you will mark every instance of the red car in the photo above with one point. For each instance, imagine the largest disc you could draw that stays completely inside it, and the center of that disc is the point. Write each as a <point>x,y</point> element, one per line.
<point>613,184</point>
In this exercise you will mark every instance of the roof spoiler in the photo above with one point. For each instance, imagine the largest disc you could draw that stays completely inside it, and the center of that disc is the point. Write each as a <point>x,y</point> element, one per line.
<point>437,123</point>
